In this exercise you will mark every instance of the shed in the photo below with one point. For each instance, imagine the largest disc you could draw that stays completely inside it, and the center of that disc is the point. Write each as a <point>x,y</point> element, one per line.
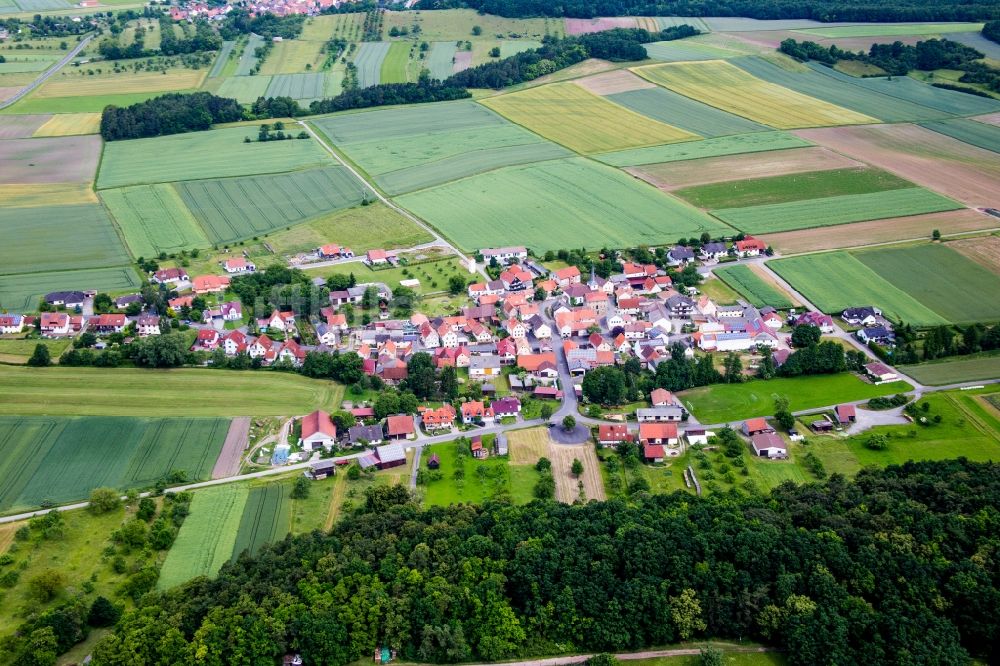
<point>434,462</point>
<point>322,469</point>
<point>501,444</point>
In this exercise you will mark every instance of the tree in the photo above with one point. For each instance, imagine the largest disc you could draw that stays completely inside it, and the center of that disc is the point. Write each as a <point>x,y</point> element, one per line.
<point>568,422</point>
<point>456,285</point>
<point>710,656</point>
<point>46,585</point>
<point>605,385</point>
<point>146,510</point>
<point>539,295</point>
<point>805,335</point>
<point>785,419</point>
<point>421,377</point>
<point>42,648</point>
<point>103,500</point>
<point>685,612</point>
<point>300,489</point>
<point>495,52</point>
<point>448,382</point>
<point>543,464</point>
<point>476,30</point>
<point>877,442</point>
<point>603,659</point>
<point>103,613</point>
<point>936,235</point>
<point>546,411</point>
<point>160,351</point>
<point>577,468</point>
<point>40,357</point>
<point>733,367</point>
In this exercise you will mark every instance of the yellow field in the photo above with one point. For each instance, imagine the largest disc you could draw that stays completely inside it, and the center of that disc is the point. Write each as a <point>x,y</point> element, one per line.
<point>292,56</point>
<point>525,447</point>
<point>85,86</point>
<point>582,121</point>
<point>725,86</point>
<point>47,194</point>
<point>70,124</point>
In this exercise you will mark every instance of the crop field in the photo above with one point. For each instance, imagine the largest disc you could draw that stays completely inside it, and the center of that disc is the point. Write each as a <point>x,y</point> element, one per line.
<point>21,292</point>
<point>613,82</point>
<point>368,60</point>
<point>727,87</point>
<point>183,79</point>
<point>911,90</point>
<point>881,231</point>
<point>154,219</point>
<point>45,238</point>
<point>217,153</point>
<point>21,127</point>
<point>968,131</point>
<point>247,59</point>
<point>138,392</point>
<point>957,288</point>
<point>395,63</point>
<point>297,86</point>
<point>673,175</point>
<point>830,211</point>
<point>206,539</point>
<point>53,160</point>
<point>61,459</point>
<point>221,59</point>
<point>582,26</point>
<point>266,517</point>
<point>526,446</point>
<point>453,24</point>
<point>399,122</point>
<point>582,121</point>
<point>877,29</point>
<point>59,194</point>
<point>70,124</point>
<point>27,63</point>
<point>956,169</point>
<point>729,403</point>
<point>80,104</point>
<point>955,369</point>
<point>837,280</point>
<point>441,60</point>
<point>758,291</point>
<point>291,56</point>
<point>738,144</point>
<point>682,51</point>
<point>669,107</point>
<point>556,204</point>
<point>234,208</point>
<point>984,250</point>
<point>245,89</point>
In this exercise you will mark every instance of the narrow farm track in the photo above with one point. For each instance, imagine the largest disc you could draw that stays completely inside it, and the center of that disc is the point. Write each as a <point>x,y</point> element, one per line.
<point>631,656</point>
<point>46,74</point>
<point>337,499</point>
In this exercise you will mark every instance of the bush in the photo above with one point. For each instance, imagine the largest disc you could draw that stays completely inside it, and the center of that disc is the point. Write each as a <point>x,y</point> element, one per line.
<point>877,442</point>
<point>300,490</point>
<point>46,585</point>
<point>103,500</point>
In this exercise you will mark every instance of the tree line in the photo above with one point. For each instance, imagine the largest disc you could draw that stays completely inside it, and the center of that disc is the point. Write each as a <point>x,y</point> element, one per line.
<point>172,113</point>
<point>894,567</point>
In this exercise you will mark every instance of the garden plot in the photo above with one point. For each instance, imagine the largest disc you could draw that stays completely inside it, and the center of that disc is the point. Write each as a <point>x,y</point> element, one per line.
<point>691,150</point>
<point>153,219</point>
<point>669,107</point>
<point>51,160</point>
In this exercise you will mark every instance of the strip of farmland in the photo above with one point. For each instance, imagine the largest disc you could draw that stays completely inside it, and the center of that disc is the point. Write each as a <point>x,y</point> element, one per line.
<point>248,60</point>
<point>266,518</point>
<point>688,114</point>
<point>369,62</point>
<point>717,147</point>
<point>153,219</point>
<point>753,287</point>
<point>22,291</point>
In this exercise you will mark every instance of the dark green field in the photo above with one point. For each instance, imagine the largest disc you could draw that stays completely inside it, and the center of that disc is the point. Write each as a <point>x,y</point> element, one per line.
<point>265,517</point>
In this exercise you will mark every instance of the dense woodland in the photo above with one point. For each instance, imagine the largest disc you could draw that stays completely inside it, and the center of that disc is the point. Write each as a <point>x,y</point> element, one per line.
<point>896,567</point>
<point>172,113</point>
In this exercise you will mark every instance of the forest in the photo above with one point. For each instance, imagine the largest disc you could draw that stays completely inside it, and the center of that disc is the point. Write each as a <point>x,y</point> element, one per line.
<point>895,567</point>
<point>172,113</point>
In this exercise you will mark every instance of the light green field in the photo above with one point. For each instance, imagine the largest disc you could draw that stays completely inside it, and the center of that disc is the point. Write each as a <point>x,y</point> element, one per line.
<point>90,104</point>
<point>900,29</point>
<point>753,287</point>
<point>19,350</point>
<point>297,86</point>
<point>556,204</point>
<point>454,24</point>
<point>138,392</point>
<point>154,219</point>
<point>245,89</point>
<point>717,147</point>
<point>837,280</point>
<point>729,403</point>
<point>231,209</point>
<point>44,238</point>
<point>830,211</point>
<point>433,275</point>
<point>291,56</point>
<point>395,63</point>
<point>368,59</point>
<point>206,539</point>
<point>681,50</point>
<point>481,480</point>
<point>978,134</point>
<point>21,292</point>
<point>440,60</point>
<point>61,459</point>
<point>266,517</point>
<point>674,109</point>
<point>217,153</point>
<point>581,120</point>
<point>247,59</point>
<point>511,47</point>
<point>955,287</point>
<point>400,122</point>
<point>26,63</point>
<point>954,370</point>
<point>221,59</point>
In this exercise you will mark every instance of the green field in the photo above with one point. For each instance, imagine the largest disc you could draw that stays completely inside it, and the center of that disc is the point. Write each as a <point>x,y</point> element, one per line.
<point>61,459</point>
<point>266,517</point>
<point>837,280</point>
<point>21,292</point>
<point>955,370</point>
<point>440,60</point>
<point>19,350</point>
<point>78,104</point>
<point>400,122</point>
<point>729,403</point>
<point>217,153</point>
<point>753,287</point>
<point>556,204</point>
<point>45,238</point>
<point>368,60</point>
<point>222,58</point>
<point>134,392</point>
<point>481,480</point>
<point>910,90</point>
<point>830,211</point>
<point>717,147</point>
<point>297,86</point>
<point>902,29</point>
<point>791,187</point>
<point>232,209</point>
<point>684,50</point>
<point>675,109</point>
<point>955,287</point>
<point>247,58</point>
<point>206,539</point>
<point>978,134</point>
<point>245,89</point>
<point>428,273</point>
<point>395,63</point>
<point>153,219</point>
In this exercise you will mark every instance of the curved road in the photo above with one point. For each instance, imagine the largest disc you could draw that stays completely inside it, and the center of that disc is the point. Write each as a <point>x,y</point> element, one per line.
<point>47,73</point>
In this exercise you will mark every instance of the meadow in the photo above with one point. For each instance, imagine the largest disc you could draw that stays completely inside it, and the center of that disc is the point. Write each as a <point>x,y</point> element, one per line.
<point>738,144</point>
<point>729,403</point>
<point>452,24</point>
<point>683,51</point>
<point>830,211</point>
<point>232,209</point>
<point>957,288</point>
<point>758,291</point>
<point>222,58</point>
<point>19,350</point>
<point>265,519</point>
<point>119,84</point>
<point>727,87</point>
<point>956,369</point>
<point>395,63</point>
<point>78,103</point>
<point>70,124</point>
<point>217,153</point>
<point>837,280</point>
<point>968,131</point>
<point>61,459</point>
<point>478,481</point>
<point>878,30</point>
<point>556,204</point>
<point>433,275</point>
<point>139,392</point>
<point>669,107</point>
<point>153,219</point>
<point>368,60</point>
<point>206,539</point>
<point>44,238</point>
<point>568,114</point>
<point>292,56</point>
<point>22,292</point>
<point>247,59</point>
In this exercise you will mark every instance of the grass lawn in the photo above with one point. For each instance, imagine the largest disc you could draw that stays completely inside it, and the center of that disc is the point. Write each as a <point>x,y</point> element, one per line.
<point>478,480</point>
<point>730,657</point>
<point>722,403</point>
<point>139,392</point>
<point>718,291</point>
<point>19,350</point>
<point>428,273</point>
<point>944,371</point>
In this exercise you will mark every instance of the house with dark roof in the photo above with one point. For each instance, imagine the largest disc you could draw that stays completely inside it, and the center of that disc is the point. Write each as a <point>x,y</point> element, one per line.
<point>879,334</point>
<point>365,434</point>
<point>866,315</point>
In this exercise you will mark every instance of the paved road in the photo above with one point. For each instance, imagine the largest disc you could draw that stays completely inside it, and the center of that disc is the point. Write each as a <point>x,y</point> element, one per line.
<point>47,73</point>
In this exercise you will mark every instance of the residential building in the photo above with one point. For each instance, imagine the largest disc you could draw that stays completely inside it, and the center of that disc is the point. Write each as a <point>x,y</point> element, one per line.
<point>400,426</point>
<point>440,418</point>
<point>878,334</point>
<point>867,315</point>
<point>663,414</point>
<point>613,434</point>
<point>147,325</point>
<point>567,276</point>
<point>11,323</point>
<point>376,257</point>
<point>661,397</point>
<point>365,434</point>
<point>68,299</point>
<point>210,284</point>
<point>880,372</point>
<point>238,266</point>
<point>505,255</point>
<point>750,247</point>
<point>506,407</point>
<point>169,276</point>
<point>54,323</point>
<point>482,367</point>
<point>476,412</point>
<point>713,251</point>
<point>108,323</point>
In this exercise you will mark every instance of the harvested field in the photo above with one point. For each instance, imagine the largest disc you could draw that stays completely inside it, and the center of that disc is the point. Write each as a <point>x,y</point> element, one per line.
<point>953,168</point>
<point>228,462</point>
<point>984,250</point>
<point>691,150</point>
<point>70,124</point>
<point>617,81</point>
<point>525,447</point>
<point>21,292</point>
<point>727,87</point>
<point>463,61</point>
<point>53,160</point>
<point>245,89</point>
<point>754,287</point>
<point>266,518</point>
<point>441,60</point>
<point>576,26</point>
<point>674,175</point>
<point>567,485</point>
<point>21,127</point>
<point>837,280</point>
<point>968,131</point>
<point>890,230</point>
<point>830,211</point>
<point>297,86</point>
<point>29,196</point>
<point>132,82</point>
<point>369,60</point>
<point>675,109</point>
<point>232,209</point>
<point>990,118</point>
<point>154,219</point>
<point>581,121</point>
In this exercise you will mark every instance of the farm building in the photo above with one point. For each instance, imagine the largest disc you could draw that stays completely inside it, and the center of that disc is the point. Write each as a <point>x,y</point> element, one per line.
<point>500,445</point>
<point>658,433</point>
<point>756,426</point>
<point>880,372</point>
<point>661,397</point>
<point>317,430</point>
<point>504,255</point>
<point>660,414</point>
<point>322,469</point>
<point>821,425</point>
<point>400,426</point>
<point>653,453</point>
<point>846,414</point>
<point>476,447</point>
<point>434,462</point>
<point>390,455</point>
<point>698,435</point>
<point>610,435</point>
<point>238,266</point>
<point>769,445</point>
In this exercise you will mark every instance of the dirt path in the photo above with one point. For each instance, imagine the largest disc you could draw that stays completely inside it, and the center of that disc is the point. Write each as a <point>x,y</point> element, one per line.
<point>228,463</point>
<point>631,656</point>
<point>567,485</point>
<point>336,501</point>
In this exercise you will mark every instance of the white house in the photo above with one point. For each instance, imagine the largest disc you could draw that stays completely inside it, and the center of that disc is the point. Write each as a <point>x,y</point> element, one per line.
<point>317,430</point>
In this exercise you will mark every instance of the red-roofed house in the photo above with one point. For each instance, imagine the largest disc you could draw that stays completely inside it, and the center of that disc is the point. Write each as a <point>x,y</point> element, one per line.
<point>54,323</point>
<point>752,427</point>
<point>108,323</point>
<point>436,419</point>
<point>238,266</point>
<point>376,257</point>
<point>661,397</point>
<point>658,433</point>
<point>516,278</point>
<point>477,412</point>
<point>317,430</point>
<point>400,426</point>
<point>611,435</point>
<point>567,276</point>
<point>750,247</point>
<point>169,276</point>
<point>210,284</point>
<point>208,338</point>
